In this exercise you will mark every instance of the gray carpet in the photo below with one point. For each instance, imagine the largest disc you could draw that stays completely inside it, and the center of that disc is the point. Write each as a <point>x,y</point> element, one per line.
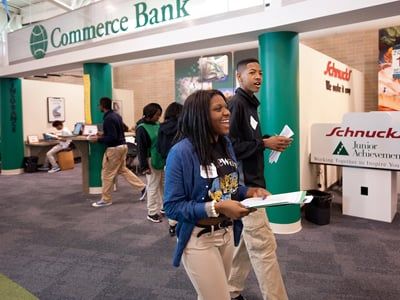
<point>54,244</point>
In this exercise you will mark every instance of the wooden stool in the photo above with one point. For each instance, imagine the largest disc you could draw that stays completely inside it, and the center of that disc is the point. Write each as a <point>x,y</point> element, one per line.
<point>66,159</point>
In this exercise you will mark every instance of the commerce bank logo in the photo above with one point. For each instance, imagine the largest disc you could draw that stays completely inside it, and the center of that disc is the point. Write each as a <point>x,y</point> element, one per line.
<point>39,41</point>
<point>340,150</point>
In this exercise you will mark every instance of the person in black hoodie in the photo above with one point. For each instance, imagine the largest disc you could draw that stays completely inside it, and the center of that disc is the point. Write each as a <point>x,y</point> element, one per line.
<point>166,138</point>
<point>257,245</point>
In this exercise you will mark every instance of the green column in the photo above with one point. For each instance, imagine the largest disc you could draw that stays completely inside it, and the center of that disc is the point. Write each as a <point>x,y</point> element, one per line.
<point>100,86</point>
<point>12,141</point>
<point>279,96</point>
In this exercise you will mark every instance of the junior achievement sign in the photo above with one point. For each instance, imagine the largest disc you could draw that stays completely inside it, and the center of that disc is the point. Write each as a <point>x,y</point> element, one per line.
<point>366,140</point>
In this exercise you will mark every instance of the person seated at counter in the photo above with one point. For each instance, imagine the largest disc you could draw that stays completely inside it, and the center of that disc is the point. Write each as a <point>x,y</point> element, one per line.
<point>64,143</point>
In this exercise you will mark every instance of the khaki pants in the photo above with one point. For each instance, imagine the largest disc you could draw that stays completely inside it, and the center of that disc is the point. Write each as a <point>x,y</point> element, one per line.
<point>114,164</point>
<point>207,260</point>
<point>260,243</point>
<point>155,190</point>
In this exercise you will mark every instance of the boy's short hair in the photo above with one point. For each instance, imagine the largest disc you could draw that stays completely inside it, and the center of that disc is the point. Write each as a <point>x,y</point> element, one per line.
<point>57,123</point>
<point>106,103</point>
<point>244,62</point>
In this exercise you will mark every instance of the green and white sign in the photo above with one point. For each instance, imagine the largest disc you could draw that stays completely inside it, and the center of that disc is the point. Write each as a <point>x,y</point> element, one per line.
<point>109,19</point>
<point>363,140</point>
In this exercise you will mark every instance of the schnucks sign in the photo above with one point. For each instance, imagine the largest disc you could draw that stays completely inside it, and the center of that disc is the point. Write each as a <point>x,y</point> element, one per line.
<point>108,19</point>
<point>364,140</point>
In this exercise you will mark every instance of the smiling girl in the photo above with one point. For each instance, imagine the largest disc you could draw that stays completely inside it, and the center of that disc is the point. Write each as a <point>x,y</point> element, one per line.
<point>202,193</point>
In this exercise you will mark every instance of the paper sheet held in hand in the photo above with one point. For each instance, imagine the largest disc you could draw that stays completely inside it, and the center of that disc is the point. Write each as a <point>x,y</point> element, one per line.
<point>274,155</point>
<point>278,199</point>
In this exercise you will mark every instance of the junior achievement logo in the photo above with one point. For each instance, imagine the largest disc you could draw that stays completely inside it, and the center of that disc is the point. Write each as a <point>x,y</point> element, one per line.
<point>38,41</point>
<point>340,150</point>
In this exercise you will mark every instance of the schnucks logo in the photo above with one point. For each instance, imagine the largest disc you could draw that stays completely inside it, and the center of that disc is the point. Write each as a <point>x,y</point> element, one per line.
<point>39,41</point>
<point>332,71</point>
<point>347,132</point>
<point>340,150</point>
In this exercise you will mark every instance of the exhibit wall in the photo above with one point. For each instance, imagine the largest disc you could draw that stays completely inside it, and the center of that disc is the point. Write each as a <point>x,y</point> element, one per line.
<point>359,50</point>
<point>151,82</point>
<point>35,105</point>
<point>125,100</point>
<point>328,90</point>
<point>35,110</point>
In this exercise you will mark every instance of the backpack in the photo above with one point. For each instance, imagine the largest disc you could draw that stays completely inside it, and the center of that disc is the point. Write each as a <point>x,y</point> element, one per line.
<point>157,161</point>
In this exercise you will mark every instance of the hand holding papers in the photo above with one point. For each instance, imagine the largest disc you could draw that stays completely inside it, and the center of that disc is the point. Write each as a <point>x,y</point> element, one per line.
<point>278,199</point>
<point>274,155</point>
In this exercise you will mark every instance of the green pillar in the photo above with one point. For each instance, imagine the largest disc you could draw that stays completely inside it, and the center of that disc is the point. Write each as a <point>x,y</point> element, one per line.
<point>279,96</point>
<point>100,86</point>
<point>12,140</point>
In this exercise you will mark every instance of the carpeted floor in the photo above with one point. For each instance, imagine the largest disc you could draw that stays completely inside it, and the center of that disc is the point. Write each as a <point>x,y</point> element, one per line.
<point>55,245</point>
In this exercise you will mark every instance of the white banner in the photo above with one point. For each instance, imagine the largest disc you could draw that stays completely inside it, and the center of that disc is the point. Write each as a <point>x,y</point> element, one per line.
<point>109,19</point>
<point>365,140</point>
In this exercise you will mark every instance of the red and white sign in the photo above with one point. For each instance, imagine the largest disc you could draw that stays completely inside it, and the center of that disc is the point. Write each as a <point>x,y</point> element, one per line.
<point>365,140</point>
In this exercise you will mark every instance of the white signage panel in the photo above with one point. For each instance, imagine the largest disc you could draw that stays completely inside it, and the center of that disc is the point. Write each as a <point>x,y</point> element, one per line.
<point>105,20</point>
<point>365,140</point>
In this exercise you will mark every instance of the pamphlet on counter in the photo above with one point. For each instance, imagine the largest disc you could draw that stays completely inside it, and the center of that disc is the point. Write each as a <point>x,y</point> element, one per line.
<point>278,199</point>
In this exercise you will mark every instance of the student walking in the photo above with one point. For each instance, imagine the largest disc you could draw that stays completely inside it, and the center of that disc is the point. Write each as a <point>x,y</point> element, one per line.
<point>202,193</point>
<point>257,245</point>
<point>166,138</point>
<point>114,158</point>
<point>150,160</point>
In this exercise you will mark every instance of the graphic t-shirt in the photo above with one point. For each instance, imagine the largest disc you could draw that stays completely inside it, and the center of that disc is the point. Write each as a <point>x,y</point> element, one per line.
<point>223,175</point>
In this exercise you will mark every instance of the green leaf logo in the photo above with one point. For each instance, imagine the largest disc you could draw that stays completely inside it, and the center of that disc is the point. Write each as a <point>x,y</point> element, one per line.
<point>39,41</point>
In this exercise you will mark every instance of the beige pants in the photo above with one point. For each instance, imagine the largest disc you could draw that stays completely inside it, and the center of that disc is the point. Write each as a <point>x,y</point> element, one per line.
<point>51,156</point>
<point>207,260</point>
<point>259,240</point>
<point>114,164</point>
<point>155,190</point>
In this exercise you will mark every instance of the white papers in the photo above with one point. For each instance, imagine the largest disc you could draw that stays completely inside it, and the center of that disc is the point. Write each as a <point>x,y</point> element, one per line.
<point>278,199</point>
<point>274,155</point>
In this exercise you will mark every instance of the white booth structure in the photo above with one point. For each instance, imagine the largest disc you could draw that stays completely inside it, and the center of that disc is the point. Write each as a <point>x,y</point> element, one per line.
<point>367,145</point>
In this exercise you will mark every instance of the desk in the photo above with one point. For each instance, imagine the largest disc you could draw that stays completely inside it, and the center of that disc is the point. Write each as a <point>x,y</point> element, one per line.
<point>82,145</point>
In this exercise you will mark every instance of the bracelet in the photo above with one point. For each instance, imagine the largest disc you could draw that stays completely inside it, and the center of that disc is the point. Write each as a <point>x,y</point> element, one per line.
<point>213,211</point>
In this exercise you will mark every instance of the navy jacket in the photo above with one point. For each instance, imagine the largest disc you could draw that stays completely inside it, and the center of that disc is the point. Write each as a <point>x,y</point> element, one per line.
<point>185,193</point>
<point>113,129</point>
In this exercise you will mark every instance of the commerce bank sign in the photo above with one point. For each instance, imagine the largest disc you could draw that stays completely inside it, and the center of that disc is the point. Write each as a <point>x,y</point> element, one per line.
<point>144,16</point>
<point>363,140</point>
<point>106,21</point>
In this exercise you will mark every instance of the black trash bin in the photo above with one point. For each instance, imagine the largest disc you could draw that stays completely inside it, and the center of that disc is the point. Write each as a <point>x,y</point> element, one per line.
<point>319,210</point>
<point>30,164</point>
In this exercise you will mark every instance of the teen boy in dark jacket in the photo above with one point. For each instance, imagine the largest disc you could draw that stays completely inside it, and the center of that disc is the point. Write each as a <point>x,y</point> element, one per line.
<point>258,241</point>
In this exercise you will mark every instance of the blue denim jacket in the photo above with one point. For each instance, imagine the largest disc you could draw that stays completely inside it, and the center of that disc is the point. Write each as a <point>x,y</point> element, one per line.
<point>185,193</point>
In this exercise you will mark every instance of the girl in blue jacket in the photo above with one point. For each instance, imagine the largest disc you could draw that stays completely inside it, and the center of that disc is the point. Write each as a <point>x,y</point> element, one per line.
<point>202,193</point>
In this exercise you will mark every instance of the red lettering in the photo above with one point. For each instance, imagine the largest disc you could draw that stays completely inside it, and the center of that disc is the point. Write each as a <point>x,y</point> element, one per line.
<point>381,134</point>
<point>337,73</point>
<point>348,132</point>
<point>333,131</point>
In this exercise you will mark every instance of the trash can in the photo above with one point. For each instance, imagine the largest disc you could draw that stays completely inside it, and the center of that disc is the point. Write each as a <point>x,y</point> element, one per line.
<point>30,164</point>
<point>318,211</point>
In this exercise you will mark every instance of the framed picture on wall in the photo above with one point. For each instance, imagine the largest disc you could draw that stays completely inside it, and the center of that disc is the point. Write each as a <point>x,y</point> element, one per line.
<point>117,106</point>
<point>55,109</point>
